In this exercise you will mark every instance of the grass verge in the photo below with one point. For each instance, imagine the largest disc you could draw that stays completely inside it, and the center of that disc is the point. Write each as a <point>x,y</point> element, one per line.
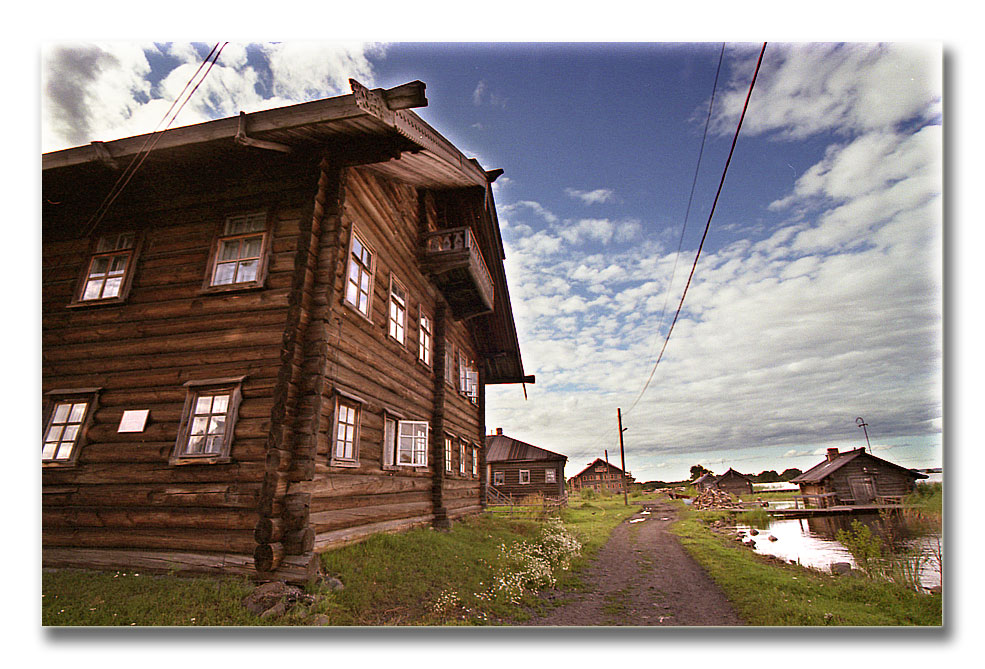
<point>468,575</point>
<point>768,592</point>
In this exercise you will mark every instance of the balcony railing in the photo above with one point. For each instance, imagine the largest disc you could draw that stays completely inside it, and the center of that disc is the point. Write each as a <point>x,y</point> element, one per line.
<point>453,258</point>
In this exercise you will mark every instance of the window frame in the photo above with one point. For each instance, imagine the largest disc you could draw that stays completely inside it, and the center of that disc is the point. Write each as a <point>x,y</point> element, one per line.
<point>450,365</point>
<point>355,236</point>
<point>391,323</point>
<point>449,440</point>
<point>388,455</point>
<point>52,400</point>
<point>550,476</point>
<point>461,458</point>
<point>413,451</point>
<point>499,478</point>
<point>522,472</point>
<point>195,389</point>
<point>132,252</point>
<point>425,338</point>
<point>468,378</point>
<point>475,461</point>
<point>220,235</point>
<point>352,403</point>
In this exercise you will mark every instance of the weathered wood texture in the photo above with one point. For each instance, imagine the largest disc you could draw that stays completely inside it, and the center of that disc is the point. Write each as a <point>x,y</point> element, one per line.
<point>123,504</point>
<point>385,375</point>
<point>538,478</point>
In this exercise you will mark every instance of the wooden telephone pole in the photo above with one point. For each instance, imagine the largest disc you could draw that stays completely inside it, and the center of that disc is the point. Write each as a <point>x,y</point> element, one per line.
<point>622,457</point>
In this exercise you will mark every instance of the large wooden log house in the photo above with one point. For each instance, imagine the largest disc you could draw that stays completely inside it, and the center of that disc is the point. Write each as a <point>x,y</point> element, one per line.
<point>599,475</point>
<point>274,341</point>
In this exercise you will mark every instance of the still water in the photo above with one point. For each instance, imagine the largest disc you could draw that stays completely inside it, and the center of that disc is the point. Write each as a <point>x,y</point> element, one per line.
<point>812,542</point>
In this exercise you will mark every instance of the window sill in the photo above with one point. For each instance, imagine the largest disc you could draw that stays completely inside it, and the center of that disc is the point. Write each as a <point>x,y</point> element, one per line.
<point>87,304</point>
<point>57,464</point>
<point>352,464</point>
<point>354,309</point>
<point>200,460</point>
<point>232,288</point>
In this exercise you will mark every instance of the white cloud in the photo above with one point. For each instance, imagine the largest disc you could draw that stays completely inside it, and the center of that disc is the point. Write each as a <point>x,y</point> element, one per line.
<point>806,89</point>
<point>100,91</point>
<point>592,196</point>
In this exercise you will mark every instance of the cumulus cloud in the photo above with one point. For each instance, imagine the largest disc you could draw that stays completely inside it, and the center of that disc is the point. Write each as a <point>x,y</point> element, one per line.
<point>591,196</point>
<point>806,89</point>
<point>783,340</point>
<point>101,91</point>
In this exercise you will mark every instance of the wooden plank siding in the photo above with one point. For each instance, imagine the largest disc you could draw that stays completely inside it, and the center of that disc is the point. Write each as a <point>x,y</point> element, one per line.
<point>538,478</point>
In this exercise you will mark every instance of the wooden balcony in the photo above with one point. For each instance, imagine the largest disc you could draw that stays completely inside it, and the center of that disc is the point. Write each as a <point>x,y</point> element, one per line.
<point>453,259</point>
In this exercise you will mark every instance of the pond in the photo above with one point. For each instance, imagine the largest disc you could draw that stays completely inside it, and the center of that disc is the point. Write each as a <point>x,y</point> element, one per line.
<point>812,541</point>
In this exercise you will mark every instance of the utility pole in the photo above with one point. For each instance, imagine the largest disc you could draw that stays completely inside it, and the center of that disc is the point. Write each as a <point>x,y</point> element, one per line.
<point>605,477</point>
<point>862,424</point>
<point>622,456</point>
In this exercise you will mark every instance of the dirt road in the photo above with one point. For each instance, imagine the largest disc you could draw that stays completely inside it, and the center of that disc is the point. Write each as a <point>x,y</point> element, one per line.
<point>641,577</point>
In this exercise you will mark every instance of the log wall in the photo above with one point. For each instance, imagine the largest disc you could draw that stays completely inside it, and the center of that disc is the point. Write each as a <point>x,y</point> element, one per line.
<point>123,504</point>
<point>363,363</point>
<point>538,478</point>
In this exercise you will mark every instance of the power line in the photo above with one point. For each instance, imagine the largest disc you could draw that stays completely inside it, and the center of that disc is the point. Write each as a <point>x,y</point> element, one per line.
<point>152,139</point>
<point>704,236</point>
<point>687,214</point>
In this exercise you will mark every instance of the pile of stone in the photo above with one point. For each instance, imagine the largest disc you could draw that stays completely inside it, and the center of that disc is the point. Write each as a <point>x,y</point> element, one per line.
<point>715,499</point>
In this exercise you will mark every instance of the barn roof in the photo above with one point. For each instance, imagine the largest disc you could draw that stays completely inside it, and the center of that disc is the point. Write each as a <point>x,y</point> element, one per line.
<point>596,461</point>
<point>732,472</point>
<point>821,471</point>
<point>501,448</point>
<point>708,476</point>
<point>404,145</point>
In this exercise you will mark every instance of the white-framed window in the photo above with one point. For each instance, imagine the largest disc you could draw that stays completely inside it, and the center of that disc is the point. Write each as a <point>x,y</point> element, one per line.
<point>239,251</point>
<point>208,420</point>
<point>397,319</point>
<point>450,365</point>
<point>461,458</point>
<point>524,476</point>
<point>550,476</point>
<point>69,414</point>
<point>389,442</point>
<point>468,379</point>
<point>475,461</point>
<point>499,478</point>
<point>359,276</point>
<point>448,441</point>
<point>345,445</point>
<point>110,268</point>
<point>412,443</point>
<point>425,341</point>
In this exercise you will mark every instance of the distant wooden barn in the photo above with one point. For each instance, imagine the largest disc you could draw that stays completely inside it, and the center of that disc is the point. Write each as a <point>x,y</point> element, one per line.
<point>276,341</point>
<point>516,468</point>
<point>855,477</point>
<point>602,476</point>
<point>705,481</point>
<point>734,483</point>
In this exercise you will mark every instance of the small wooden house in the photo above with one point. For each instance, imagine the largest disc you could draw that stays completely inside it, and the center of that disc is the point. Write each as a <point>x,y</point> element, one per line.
<point>601,476</point>
<point>734,483</point>
<point>271,339</point>
<point>705,481</point>
<point>854,477</point>
<point>516,468</point>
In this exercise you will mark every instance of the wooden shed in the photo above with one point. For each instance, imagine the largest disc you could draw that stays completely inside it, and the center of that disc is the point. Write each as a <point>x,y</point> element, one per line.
<point>276,339</point>
<point>855,477</point>
<point>516,468</point>
<point>705,481</point>
<point>601,475</point>
<point>733,483</point>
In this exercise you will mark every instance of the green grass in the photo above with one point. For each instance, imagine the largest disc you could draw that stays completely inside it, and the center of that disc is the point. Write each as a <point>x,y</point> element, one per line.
<point>768,592</point>
<point>389,580</point>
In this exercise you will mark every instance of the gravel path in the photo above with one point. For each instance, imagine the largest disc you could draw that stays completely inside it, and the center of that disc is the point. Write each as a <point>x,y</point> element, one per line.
<point>642,577</point>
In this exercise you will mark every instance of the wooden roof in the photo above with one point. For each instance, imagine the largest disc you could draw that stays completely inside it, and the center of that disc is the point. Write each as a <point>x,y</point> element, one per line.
<point>593,463</point>
<point>821,471</point>
<point>500,448</point>
<point>405,147</point>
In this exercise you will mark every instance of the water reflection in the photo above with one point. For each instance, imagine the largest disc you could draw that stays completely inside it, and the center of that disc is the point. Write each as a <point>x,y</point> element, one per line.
<point>812,542</point>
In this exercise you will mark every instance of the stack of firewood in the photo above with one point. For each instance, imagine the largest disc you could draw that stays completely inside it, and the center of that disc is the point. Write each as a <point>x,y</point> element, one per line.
<point>715,499</point>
